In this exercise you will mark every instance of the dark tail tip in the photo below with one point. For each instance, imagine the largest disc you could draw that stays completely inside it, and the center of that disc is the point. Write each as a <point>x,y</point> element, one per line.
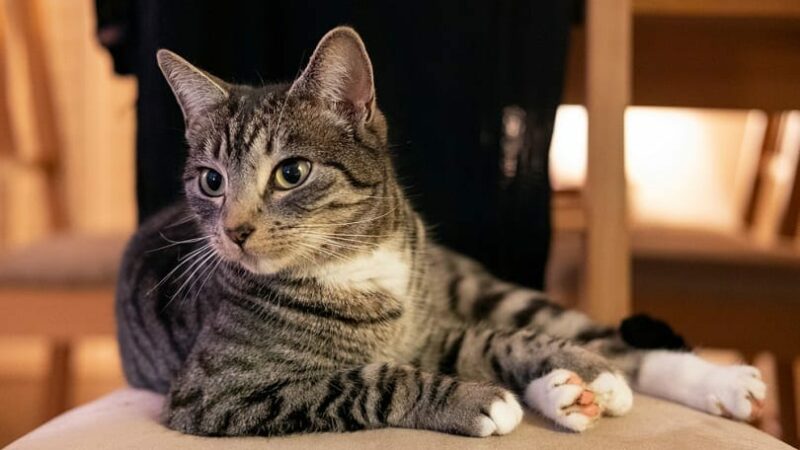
<point>645,332</point>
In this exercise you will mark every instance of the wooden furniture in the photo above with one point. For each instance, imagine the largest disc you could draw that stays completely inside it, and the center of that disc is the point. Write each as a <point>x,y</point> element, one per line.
<point>608,62</point>
<point>696,53</point>
<point>62,289</point>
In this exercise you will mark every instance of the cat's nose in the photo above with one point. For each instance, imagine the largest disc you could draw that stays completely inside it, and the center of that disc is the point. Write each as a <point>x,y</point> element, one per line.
<point>240,233</point>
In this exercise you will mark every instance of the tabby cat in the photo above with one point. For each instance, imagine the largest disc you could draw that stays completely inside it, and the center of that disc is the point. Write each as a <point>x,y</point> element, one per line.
<point>296,290</point>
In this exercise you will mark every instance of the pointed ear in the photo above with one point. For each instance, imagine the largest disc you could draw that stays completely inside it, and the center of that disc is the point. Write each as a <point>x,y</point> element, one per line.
<point>196,91</point>
<point>340,72</point>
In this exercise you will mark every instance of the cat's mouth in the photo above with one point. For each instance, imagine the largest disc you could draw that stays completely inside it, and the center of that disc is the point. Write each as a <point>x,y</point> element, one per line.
<point>258,261</point>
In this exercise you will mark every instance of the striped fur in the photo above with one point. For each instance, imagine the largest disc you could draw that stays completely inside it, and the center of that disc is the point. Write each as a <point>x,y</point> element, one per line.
<point>338,312</point>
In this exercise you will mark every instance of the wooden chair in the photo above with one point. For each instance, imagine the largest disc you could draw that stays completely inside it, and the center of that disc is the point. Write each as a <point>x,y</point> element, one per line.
<point>702,284</point>
<point>61,288</point>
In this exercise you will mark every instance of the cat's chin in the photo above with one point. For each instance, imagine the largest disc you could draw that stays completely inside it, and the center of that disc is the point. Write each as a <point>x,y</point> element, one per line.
<point>254,264</point>
<point>259,266</point>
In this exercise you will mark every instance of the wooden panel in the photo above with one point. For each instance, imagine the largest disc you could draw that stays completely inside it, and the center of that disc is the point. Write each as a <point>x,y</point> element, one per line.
<point>718,8</point>
<point>710,298</point>
<point>718,63</point>
<point>698,62</point>
<point>607,283</point>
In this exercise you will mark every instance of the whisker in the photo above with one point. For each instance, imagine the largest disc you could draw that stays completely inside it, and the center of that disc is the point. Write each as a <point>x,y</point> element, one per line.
<point>209,273</point>
<point>341,245</point>
<point>339,240</point>
<point>196,260</point>
<point>195,251</point>
<point>347,235</point>
<point>323,250</point>
<point>181,221</point>
<point>174,243</point>
<point>349,223</point>
<point>206,257</point>
<point>184,260</point>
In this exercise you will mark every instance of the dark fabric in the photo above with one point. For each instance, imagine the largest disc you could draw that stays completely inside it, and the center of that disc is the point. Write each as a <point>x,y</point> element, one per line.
<point>444,69</point>
<point>643,331</point>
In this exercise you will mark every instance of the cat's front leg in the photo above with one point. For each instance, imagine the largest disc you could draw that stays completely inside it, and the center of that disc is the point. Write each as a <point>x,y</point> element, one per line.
<point>371,396</point>
<point>564,382</point>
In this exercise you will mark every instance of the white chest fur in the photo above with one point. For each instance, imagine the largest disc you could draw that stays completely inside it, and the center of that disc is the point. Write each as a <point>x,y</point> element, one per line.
<point>385,268</point>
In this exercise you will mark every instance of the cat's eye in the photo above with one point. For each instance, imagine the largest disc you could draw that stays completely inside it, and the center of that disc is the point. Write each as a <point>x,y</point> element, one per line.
<point>212,183</point>
<point>291,173</point>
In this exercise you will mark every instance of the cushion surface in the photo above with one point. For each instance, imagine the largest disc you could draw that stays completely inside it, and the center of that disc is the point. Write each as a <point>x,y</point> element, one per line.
<point>128,419</point>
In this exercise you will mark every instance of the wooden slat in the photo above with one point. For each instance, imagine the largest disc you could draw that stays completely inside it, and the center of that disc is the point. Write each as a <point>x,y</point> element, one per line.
<point>28,17</point>
<point>775,193</point>
<point>6,136</point>
<point>57,313</point>
<point>57,393</point>
<point>768,149</point>
<point>791,219</point>
<point>784,368</point>
<point>608,62</point>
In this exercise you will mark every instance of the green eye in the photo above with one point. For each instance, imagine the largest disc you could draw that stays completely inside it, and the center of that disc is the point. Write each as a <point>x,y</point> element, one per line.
<point>212,183</point>
<point>292,173</point>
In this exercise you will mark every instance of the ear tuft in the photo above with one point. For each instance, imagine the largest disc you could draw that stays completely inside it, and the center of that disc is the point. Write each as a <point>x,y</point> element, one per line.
<point>196,90</point>
<point>340,72</point>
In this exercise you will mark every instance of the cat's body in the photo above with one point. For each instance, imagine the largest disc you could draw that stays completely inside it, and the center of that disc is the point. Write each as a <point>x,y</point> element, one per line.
<point>322,304</point>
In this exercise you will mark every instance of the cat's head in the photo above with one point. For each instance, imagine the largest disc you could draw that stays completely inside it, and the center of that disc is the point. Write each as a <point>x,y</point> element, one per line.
<point>285,177</point>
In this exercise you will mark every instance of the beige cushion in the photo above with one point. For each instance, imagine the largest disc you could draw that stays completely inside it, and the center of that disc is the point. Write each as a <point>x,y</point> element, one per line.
<point>67,259</point>
<point>127,419</point>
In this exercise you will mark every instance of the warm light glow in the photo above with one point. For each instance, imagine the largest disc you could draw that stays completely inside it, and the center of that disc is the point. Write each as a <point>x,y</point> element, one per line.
<point>568,148</point>
<point>682,164</point>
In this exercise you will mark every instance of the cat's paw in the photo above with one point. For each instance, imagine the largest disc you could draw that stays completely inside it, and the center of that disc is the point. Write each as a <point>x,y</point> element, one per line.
<point>501,417</point>
<point>471,409</point>
<point>736,392</point>
<point>613,393</point>
<point>563,397</point>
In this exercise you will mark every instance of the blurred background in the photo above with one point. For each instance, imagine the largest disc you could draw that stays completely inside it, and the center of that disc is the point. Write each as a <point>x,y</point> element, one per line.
<point>696,222</point>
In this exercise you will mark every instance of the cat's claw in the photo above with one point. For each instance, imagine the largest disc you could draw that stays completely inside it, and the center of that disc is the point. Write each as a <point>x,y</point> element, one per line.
<point>736,392</point>
<point>563,397</point>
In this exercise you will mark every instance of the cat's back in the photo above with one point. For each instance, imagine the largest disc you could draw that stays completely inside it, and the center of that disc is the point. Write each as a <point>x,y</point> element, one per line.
<point>159,309</point>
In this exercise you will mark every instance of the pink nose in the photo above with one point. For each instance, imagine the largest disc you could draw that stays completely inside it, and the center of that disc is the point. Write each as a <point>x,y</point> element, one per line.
<point>240,233</point>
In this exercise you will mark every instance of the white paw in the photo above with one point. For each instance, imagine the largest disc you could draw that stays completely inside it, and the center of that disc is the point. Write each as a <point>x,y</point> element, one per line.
<point>562,397</point>
<point>735,391</point>
<point>503,416</point>
<point>613,393</point>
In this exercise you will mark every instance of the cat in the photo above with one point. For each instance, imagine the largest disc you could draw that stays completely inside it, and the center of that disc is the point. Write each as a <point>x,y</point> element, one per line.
<point>310,297</point>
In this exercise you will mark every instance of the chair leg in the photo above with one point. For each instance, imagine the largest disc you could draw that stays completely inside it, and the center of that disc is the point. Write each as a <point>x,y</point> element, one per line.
<point>784,371</point>
<point>58,381</point>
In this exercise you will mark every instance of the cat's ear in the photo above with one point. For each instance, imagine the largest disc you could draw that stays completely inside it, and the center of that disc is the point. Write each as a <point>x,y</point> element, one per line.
<point>196,90</point>
<point>340,72</point>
